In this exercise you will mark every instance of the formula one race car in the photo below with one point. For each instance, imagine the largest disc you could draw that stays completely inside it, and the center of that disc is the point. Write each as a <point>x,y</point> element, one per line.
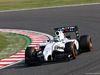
<point>61,47</point>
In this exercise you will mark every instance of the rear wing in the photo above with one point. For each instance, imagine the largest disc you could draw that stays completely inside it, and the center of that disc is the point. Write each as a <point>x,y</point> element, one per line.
<point>69,29</point>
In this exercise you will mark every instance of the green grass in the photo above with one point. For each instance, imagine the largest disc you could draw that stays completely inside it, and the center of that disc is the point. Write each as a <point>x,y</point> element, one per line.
<point>11,44</point>
<point>25,4</point>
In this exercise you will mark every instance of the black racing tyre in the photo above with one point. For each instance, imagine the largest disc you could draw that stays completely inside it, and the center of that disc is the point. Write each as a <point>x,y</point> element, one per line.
<point>85,43</point>
<point>70,48</point>
<point>30,52</point>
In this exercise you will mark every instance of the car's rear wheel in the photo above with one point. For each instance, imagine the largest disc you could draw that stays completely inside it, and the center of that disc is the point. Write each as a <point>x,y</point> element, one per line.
<point>85,43</point>
<point>70,48</point>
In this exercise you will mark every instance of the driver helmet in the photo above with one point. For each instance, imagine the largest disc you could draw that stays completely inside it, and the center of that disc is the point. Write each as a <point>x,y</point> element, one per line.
<point>56,39</point>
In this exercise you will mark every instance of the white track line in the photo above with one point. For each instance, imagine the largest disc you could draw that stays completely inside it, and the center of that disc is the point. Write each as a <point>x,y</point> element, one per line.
<point>6,62</point>
<point>52,7</point>
<point>18,56</point>
<point>20,53</point>
<point>14,59</point>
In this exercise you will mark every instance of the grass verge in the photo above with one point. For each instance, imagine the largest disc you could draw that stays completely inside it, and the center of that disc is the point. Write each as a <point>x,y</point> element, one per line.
<point>25,4</point>
<point>11,44</point>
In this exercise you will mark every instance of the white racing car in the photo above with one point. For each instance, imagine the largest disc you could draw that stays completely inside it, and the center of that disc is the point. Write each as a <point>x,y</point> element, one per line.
<point>60,48</point>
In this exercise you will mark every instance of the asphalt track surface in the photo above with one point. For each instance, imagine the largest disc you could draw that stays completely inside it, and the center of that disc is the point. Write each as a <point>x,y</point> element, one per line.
<point>87,18</point>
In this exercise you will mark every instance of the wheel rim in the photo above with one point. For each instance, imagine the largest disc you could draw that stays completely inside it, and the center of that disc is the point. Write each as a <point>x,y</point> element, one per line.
<point>74,51</point>
<point>90,44</point>
<point>34,53</point>
<point>33,50</point>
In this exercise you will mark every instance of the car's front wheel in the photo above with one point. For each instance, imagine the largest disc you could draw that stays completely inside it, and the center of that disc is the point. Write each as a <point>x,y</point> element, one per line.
<point>30,52</point>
